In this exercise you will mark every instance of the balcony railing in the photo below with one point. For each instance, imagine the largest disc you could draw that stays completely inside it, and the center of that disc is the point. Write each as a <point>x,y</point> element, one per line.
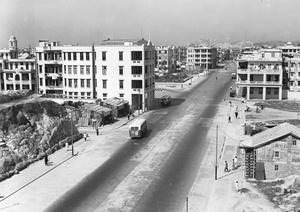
<point>258,82</point>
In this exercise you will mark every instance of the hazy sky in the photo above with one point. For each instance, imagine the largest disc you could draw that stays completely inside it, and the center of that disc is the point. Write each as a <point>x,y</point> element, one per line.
<point>167,22</point>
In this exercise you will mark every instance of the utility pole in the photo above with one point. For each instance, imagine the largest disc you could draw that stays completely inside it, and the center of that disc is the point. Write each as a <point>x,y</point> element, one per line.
<point>70,115</point>
<point>216,166</point>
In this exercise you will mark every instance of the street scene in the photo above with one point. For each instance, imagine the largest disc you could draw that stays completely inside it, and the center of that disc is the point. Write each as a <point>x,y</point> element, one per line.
<point>125,106</point>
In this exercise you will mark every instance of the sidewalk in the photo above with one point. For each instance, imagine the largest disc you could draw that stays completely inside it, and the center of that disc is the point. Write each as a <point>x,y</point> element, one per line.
<point>15,190</point>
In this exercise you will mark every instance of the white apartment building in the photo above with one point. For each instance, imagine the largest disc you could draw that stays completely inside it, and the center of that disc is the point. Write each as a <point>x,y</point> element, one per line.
<point>17,69</point>
<point>116,68</point>
<point>260,75</point>
<point>293,70</point>
<point>289,49</point>
<point>125,69</point>
<point>201,57</point>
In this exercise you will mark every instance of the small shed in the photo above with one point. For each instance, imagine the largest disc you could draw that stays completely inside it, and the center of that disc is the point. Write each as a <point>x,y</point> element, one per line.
<point>119,106</point>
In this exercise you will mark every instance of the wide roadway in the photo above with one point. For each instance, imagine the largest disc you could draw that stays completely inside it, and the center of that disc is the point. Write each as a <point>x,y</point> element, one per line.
<point>155,173</point>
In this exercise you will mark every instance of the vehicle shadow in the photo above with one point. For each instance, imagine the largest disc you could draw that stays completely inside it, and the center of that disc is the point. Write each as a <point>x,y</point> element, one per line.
<point>174,102</point>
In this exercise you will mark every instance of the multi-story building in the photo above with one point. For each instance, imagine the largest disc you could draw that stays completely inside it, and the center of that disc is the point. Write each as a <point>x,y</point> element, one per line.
<point>289,49</point>
<point>260,75</point>
<point>116,68</point>
<point>292,66</point>
<point>164,58</point>
<point>201,57</point>
<point>17,69</point>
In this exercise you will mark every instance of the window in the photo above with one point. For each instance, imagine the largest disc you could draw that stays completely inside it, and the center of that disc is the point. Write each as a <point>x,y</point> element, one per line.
<point>69,69</point>
<point>276,91</point>
<point>136,84</point>
<point>104,70</point>
<point>74,56</point>
<point>268,90</point>
<point>65,69</point>
<point>88,95</point>
<point>276,154</point>
<point>70,94</point>
<point>41,82</point>
<point>260,90</point>
<point>104,82</point>
<point>87,56</point>
<point>74,69</point>
<point>136,70</point>
<point>41,69</point>
<point>276,167</point>
<point>81,69</point>
<point>88,70</point>
<point>81,55</point>
<point>121,95</point>
<point>294,142</point>
<point>75,83</point>
<point>104,95</point>
<point>64,56</point>
<point>70,83</point>
<point>45,57</point>
<point>82,94</point>
<point>136,55</point>
<point>104,56</point>
<point>88,83</point>
<point>69,56</point>
<point>82,83</point>
<point>121,70</point>
<point>121,84</point>
<point>65,82</point>
<point>120,56</point>
<point>40,56</point>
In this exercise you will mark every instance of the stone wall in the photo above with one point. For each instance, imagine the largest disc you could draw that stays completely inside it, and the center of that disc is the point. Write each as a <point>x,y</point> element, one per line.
<point>31,129</point>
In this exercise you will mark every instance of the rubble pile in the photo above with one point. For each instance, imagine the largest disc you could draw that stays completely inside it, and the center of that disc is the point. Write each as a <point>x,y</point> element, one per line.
<point>29,130</point>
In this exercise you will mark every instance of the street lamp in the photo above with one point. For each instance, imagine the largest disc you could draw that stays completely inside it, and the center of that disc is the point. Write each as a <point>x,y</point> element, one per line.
<point>216,165</point>
<point>70,116</point>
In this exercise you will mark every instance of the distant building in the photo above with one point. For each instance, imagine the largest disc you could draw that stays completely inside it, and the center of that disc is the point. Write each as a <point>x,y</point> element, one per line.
<point>289,49</point>
<point>116,68</point>
<point>273,153</point>
<point>201,57</point>
<point>235,52</point>
<point>164,60</point>
<point>17,69</point>
<point>260,75</point>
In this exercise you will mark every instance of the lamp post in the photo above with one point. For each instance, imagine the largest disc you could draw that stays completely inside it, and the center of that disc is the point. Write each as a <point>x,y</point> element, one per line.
<point>216,165</point>
<point>70,116</point>
<point>139,101</point>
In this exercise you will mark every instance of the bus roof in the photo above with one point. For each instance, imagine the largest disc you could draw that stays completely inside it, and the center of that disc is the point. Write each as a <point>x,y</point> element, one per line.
<point>137,122</point>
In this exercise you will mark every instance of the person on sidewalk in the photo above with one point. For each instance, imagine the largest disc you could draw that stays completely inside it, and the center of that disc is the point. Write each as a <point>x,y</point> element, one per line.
<point>230,104</point>
<point>46,159</point>
<point>237,108</point>
<point>226,166</point>
<point>236,114</point>
<point>97,131</point>
<point>236,186</point>
<point>235,162</point>
<point>229,119</point>
<point>84,136</point>
<point>128,116</point>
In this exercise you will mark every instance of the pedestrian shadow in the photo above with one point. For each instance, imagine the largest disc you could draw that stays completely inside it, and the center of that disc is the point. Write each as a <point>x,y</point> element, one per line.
<point>230,172</point>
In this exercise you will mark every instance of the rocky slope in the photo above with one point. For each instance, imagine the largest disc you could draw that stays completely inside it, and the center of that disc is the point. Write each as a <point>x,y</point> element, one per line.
<point>29,130</point>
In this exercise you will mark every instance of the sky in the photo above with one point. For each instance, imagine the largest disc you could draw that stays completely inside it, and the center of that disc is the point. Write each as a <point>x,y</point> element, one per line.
<point>165,22</point>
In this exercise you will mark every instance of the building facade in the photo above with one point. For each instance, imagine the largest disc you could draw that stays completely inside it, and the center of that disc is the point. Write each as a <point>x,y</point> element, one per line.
<point>116,68</point>
<point>17,69</point>
<point>260,75</point>
<point>201,58</point>
<point>164,60</point>
<point>273,153</point>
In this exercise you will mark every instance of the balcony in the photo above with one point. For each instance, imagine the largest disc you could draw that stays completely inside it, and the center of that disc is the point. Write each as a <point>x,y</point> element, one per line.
<point>248,82</point>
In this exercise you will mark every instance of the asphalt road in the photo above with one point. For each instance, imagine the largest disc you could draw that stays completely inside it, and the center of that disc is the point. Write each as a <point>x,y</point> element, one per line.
<point>171,181</point>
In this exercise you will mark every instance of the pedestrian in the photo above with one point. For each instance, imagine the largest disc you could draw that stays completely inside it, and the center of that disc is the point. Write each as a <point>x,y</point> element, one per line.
<point>128,116</point>
<point>237,108</point>
<point>233,164</point>
<point>229,119</point>
<point>84,136</point>
<point>216,78</point>
<point>46,159</point>
<point>97,131</point>
<point>236,114</point>
<point>230,103</point>
<point>67,146</point>
<point>226,166</point>
<point>236,186</point>
<point>235,161</point>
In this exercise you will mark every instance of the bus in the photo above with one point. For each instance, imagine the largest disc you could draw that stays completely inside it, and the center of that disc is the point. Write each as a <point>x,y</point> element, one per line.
<point>138,128</point>
<point>165,100</point>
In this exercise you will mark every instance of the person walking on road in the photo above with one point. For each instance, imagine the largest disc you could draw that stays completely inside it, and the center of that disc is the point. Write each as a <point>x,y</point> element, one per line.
<point>84,136</point>
<point>236,186</point>
<point>229,119</point>
<point>97,131</point>
<point>226,166</point>
<point>230,104</point>
<point>236,114</point>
